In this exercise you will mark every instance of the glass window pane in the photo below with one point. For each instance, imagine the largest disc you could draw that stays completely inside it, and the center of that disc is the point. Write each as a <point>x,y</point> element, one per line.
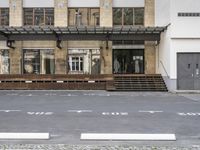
<point>139,16</point>
<point>4,62</point>
<point>49,16</point>
<point>117,16</point>
<point>39,16</point>
<point>128,16</point>
<point>94,17</point>
<point>31,62</point>
<point>47,61</point>
<point>4,16</point>
<point>28,16</point>
<point>71,17</point>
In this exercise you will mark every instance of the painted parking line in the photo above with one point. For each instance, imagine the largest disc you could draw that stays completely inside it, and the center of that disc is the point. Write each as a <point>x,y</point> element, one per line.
<point>80,111</point>
<point>128,137</point>
<point>7,111</point>
<point>24,136</point>
<point>150,111</point>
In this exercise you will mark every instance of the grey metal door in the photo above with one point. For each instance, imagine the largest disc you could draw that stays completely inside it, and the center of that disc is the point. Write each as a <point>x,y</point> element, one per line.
<point>188,73</point>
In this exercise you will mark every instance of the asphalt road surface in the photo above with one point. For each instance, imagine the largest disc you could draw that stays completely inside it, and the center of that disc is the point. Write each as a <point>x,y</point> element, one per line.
<point>67,114</point>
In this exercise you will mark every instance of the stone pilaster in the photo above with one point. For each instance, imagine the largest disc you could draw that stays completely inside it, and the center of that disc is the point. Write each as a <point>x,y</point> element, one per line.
<point>149,13</point>
<point>16,58</point>
<point>16,12</point>
<point>106,58</point>
<point>106,13</point>
<point>61,13</point>
<point>150,50</point>
<point>60,59</point>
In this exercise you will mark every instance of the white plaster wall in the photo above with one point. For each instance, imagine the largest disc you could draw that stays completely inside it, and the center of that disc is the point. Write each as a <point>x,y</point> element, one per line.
<point>162,12</point>
<point>83,3</point>
<point>185,27</point>
<point>163,54</point>
<point>128,3</point>
<point>4,3</point>
<point>38,3</point>
<point>181,45</point>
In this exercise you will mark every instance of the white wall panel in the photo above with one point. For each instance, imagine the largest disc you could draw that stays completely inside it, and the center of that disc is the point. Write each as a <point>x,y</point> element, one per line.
<point>4,3</point>
<point>83,3</point>
<point>38,3</point>
<point>185,27</point>
<point>128,3</point>
<point>162,12</point>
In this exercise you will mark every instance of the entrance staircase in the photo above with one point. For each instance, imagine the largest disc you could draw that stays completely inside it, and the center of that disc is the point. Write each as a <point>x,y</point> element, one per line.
<point>142,82</point>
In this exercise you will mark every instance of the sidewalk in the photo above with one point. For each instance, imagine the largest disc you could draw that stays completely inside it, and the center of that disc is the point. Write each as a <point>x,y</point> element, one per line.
<point>89,147</point>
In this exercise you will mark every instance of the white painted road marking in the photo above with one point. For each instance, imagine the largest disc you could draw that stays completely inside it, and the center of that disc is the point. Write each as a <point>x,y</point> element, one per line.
<point>189,114</point>
<point>133,137</point>
<point>115,113</point>
<point>24,136</point>
<point>40,113</point>
<point>80,111</point>
<point>10,110</point>
<point>150,111</point>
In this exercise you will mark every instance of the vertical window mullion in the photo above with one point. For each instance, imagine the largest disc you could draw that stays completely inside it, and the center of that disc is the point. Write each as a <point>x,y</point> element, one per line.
<point>44,21</point>
<point>33,17</point>
<point>122,16</point>
<point>0,16</point>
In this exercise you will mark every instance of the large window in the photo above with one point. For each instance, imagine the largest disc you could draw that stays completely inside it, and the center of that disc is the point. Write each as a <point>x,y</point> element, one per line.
<point>4,62</point>
<point>84,17</point>
<point>4,16</point>
<point>128,16</point>
<point>38,61</point>
<point>39,16</point>
<point>84,61</point>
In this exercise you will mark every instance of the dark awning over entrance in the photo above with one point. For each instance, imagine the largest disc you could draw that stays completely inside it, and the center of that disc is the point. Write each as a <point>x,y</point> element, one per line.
<point>80,33</point>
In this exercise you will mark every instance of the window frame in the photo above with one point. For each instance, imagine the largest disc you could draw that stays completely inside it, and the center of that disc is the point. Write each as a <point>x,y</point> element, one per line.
<point>44,14</point>
<point>8,21</point>
<point>88,14</point>
<point>123,15</point>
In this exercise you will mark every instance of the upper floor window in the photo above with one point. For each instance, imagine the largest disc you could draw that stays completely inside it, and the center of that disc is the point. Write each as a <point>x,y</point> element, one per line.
<point>4,16</point>
<point>84,17</point>
<point>39,16</point>
<point>128,16</point>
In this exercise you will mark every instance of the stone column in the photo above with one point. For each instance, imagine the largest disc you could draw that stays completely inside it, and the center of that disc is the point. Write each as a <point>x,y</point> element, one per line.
<point>106,20</point>
<point>61,13</point>
<point>15,58</point>
<point>106,58</point>
<point>106,13</point>
<point>60,59</point>
<point>150,50</point>
<point>16,12</point>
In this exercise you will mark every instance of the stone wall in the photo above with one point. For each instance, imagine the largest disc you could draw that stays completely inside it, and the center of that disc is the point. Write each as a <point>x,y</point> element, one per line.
<point>16,12</point>
<point>15,58</point>
<point>150,50</point>
<point>61,13</point>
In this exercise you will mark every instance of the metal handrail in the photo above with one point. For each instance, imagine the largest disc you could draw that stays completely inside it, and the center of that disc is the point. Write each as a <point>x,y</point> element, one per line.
<point>164,69</point>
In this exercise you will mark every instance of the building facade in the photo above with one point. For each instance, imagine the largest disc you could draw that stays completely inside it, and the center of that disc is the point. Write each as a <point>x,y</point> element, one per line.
<point>98,37</point>
<point>179,48</point>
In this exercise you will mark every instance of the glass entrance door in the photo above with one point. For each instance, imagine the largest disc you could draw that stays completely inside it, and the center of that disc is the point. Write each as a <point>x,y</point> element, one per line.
<point>128,61</point>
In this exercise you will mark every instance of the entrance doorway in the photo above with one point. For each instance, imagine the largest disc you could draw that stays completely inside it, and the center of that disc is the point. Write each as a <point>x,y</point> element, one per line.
<point>188,73</point>
<point>128,61</point>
